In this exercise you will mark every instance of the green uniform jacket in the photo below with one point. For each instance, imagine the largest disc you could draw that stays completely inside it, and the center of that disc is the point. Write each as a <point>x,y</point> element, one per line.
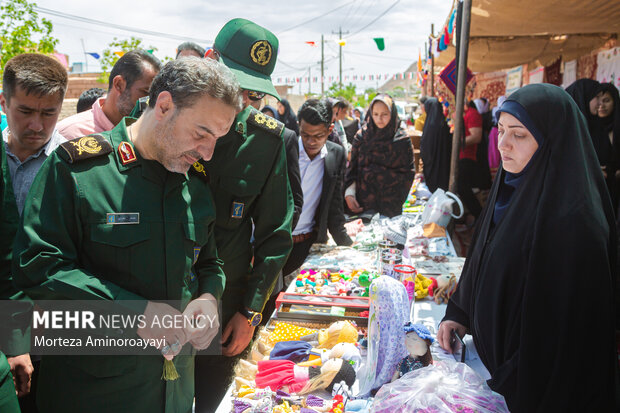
<point>68,250</point>
<point>249,182</point>
<point>9,218</point>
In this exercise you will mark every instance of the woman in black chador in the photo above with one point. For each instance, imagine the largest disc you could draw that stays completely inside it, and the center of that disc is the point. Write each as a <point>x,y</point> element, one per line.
<point>436,146</point>
<point>380,173</point>
<point>537,289</point>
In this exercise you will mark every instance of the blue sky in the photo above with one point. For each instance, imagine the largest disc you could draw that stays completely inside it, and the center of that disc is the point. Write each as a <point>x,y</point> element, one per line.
<point>405,27</point>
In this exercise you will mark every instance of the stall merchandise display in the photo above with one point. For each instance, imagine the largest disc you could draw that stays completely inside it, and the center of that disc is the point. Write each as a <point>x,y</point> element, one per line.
<point>342,330</point>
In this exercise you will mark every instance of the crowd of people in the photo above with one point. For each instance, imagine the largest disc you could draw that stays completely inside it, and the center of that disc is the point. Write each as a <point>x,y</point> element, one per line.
<point>176,184</point>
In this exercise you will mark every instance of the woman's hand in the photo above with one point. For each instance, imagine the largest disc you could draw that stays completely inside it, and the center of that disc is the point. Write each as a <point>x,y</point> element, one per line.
<point>353,205</point>
<point>444,335</point>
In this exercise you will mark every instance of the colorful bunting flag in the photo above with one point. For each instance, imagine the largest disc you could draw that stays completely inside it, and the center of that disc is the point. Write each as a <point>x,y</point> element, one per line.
<point>95,55</point>
<point>380,41</point>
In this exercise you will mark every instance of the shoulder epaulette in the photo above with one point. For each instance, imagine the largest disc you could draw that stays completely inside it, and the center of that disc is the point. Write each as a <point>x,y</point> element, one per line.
<point>265,122</point>
<point>86,147</point>
<point>199,169</point>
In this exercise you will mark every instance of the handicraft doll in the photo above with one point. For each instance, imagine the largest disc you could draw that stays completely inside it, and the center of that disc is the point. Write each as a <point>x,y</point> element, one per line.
<point>418,341</point>
<point>286,375</point>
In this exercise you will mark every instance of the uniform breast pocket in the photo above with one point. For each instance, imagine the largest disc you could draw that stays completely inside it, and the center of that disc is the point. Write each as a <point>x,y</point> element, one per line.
<point>121,250</point>
<point>241,194</point>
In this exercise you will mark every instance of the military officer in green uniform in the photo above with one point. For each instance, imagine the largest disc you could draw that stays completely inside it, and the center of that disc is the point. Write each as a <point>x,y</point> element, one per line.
<point>117,216</point>
<point>8,224</point>
<point>253,200</point>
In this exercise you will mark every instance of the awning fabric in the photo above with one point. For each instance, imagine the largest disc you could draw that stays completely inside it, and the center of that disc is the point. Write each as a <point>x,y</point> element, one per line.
<point>505,34</point>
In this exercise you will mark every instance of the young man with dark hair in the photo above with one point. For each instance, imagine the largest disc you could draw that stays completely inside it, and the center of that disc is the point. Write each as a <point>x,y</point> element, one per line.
<point>130,80</point>
<point>321,164</point>
<point>34,87</point>
<point>88,97</point>
<point>340,108</point>
<point>190,49</point>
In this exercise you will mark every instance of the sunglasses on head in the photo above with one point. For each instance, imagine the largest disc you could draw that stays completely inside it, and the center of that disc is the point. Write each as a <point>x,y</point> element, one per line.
<point>253,95</point>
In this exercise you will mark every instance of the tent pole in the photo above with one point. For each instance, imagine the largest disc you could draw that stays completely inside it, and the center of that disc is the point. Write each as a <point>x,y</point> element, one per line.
<point>432,73</point>
<point>460,93</point>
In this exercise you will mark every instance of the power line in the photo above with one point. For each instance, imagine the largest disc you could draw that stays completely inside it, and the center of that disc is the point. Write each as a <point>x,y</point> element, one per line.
<point>375,19</point>
<point>354,13</point>
<point>380,57</point>
<point>315,18</point>
<point>118,26</point>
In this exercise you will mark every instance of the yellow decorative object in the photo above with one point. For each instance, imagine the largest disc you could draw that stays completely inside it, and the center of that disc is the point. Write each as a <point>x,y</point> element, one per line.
<point>338,332</point>
<point>421,286</point>
<point>245,391</point>
<point>288,332</point>
<point>283,408</point>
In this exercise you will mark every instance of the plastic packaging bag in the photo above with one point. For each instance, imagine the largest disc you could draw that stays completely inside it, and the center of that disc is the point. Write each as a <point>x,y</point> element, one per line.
<point>446,386</point>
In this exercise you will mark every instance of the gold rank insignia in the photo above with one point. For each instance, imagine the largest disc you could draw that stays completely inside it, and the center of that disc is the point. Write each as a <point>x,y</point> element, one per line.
<point>261,52</point>
<point>126,153</point>
<point>266,122</point>
<point>86,147</point>
<point>86,144</point>
<point>200,170</point>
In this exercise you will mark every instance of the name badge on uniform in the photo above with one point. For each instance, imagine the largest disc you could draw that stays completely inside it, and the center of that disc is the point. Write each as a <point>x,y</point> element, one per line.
<point>122,218</point>
<point>237,210</point>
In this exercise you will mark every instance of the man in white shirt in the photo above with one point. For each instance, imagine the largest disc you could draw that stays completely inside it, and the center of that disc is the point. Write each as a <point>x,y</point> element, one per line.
<point>321,164</point>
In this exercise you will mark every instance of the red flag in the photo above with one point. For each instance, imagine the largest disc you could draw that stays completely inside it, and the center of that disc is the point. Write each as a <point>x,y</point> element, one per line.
<point>313,44</point>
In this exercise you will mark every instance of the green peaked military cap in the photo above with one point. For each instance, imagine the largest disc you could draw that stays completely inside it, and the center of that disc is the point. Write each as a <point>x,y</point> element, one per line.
<point>250,52</point>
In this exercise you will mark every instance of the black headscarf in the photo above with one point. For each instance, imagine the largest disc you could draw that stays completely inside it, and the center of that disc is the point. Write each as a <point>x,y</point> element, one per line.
<point>435,146</point>
<point>609,124</point>
<point>288,118</point>
<point>583,91</point>
<point>381,163</point>
<point>536,291</point>
<point>270,109</point>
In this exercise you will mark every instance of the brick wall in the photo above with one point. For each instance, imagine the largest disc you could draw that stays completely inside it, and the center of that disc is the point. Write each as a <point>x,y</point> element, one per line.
<point>80,82</point>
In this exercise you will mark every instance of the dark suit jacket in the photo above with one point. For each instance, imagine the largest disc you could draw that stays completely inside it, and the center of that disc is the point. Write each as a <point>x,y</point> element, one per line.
<point>330,212</point>
<point>291,146</point>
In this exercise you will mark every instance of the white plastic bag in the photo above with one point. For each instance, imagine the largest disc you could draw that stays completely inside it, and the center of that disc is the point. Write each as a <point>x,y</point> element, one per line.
<point>438,209</point>
<point>445,386</point>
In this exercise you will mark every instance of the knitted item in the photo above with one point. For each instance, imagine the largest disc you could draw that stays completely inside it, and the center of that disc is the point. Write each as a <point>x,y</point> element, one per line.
<point>420,330</point>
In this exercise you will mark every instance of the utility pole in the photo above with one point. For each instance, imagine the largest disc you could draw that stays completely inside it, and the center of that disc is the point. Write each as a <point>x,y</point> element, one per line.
<point>460,92</point>
<point>322,66</point>
<point>85,57</point>
<point>340,33</point>
<point>432,73</point>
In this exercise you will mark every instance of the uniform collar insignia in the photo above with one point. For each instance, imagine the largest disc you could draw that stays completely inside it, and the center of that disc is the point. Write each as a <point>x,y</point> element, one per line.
<point>126,153</point>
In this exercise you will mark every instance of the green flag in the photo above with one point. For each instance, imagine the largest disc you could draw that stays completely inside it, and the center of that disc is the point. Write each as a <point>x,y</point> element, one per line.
<point>380,42</point>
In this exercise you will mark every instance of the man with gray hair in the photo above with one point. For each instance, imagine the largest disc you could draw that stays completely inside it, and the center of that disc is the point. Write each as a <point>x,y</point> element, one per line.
<point>72,246</point>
